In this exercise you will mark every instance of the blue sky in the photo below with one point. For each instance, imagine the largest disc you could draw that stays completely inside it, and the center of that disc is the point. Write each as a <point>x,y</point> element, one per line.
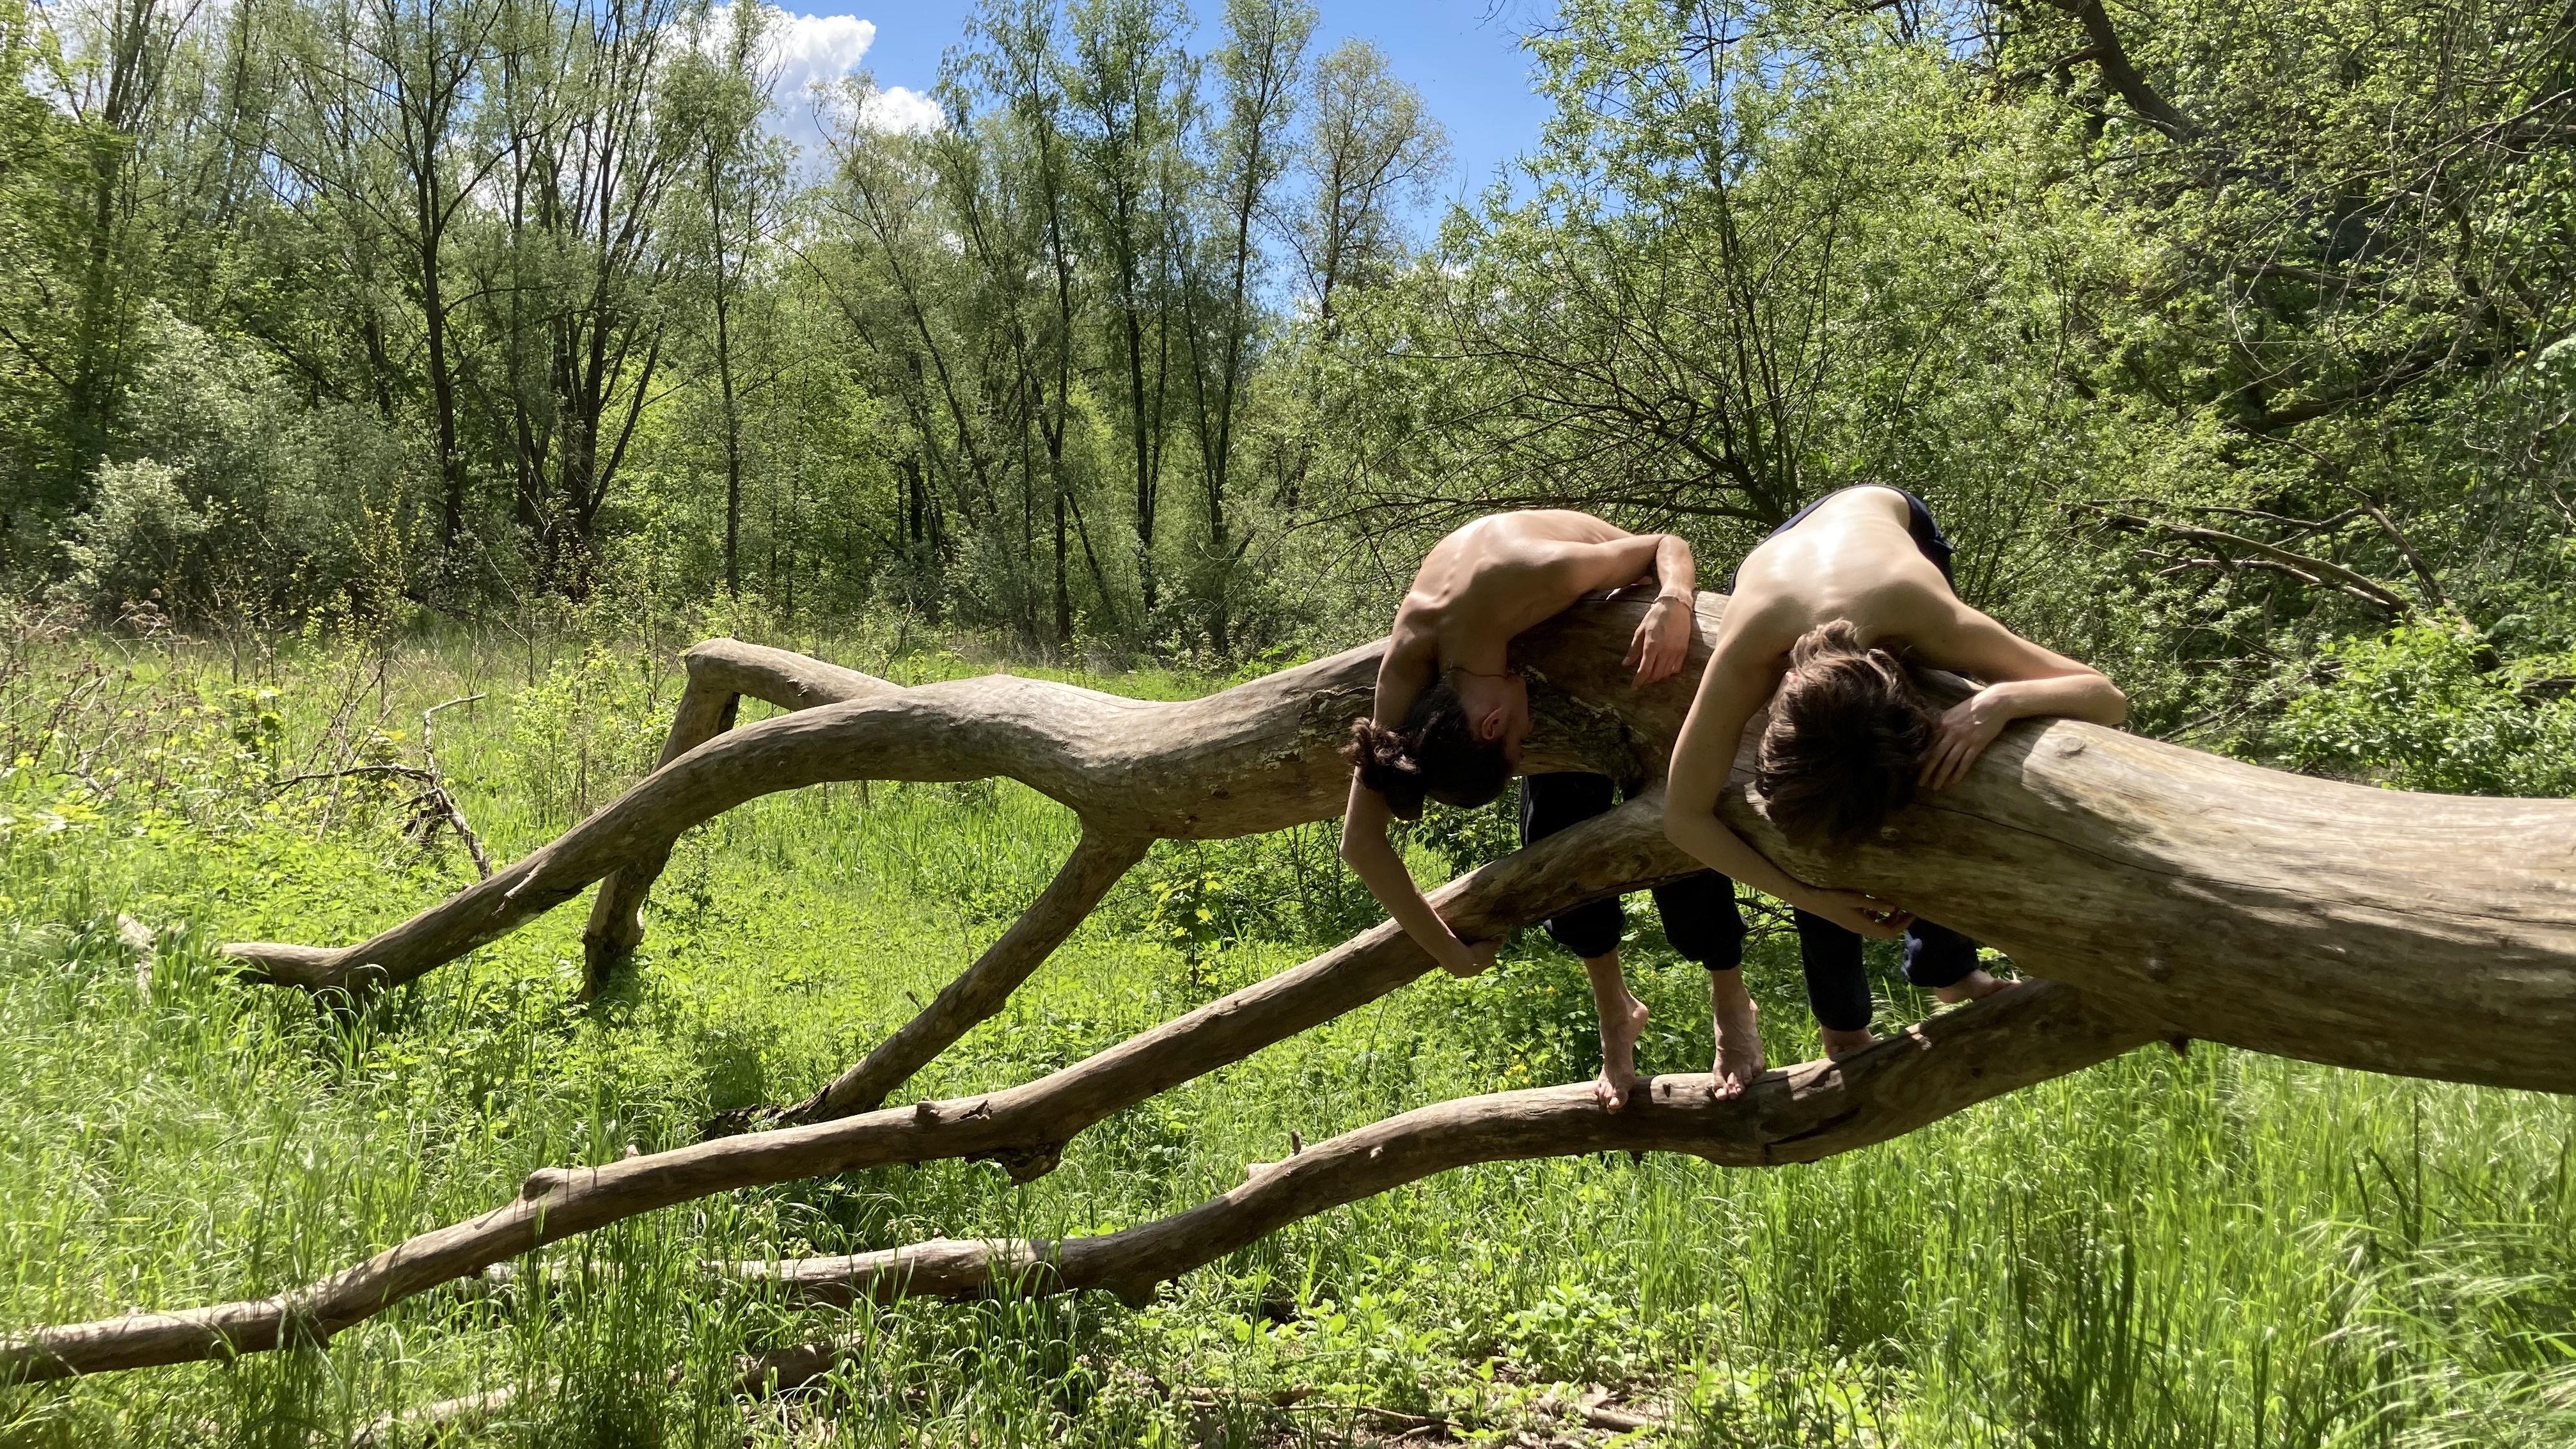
<point>1464,56</point>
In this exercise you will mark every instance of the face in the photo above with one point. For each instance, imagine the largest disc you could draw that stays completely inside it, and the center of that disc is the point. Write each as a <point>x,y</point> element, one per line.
<point>1498,708</point>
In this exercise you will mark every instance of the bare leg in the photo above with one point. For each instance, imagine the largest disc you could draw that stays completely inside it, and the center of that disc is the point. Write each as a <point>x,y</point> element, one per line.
<point>1975,986</point>
<point>1738,1029</point>
<point>1623,1020</point>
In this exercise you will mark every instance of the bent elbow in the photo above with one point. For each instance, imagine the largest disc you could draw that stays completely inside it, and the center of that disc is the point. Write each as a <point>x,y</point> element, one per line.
<point>1675,823</point>
<point>2115,704</point>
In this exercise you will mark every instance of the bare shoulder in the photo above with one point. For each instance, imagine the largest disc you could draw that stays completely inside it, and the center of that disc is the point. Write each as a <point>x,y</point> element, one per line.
<point>1762,620</point>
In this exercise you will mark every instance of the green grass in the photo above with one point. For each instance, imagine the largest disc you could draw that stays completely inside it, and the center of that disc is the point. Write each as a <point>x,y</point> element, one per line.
<point>2220,1249</point>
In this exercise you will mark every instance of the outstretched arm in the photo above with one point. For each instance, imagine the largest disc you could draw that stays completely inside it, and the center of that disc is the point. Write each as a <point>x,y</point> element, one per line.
<point>1739,678</point>
<point>2023,681</point>
<point>1372,857</point>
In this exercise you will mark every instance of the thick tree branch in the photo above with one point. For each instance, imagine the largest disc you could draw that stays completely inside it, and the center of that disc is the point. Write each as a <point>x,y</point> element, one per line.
<point>2106,52</point>
<point>2018,1037</point>
<point>721,672</point>
<point>1024,1127</point>
<point>1096,864</point>
<point>2315,572</point>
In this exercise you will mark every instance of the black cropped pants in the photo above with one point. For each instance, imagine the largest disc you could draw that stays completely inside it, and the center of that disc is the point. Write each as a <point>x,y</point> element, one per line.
<point>1704,923</point>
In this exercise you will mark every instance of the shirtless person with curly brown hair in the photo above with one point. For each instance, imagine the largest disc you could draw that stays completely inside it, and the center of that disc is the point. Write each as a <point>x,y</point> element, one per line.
<point>1830,617</point>
<point>1451,715</point>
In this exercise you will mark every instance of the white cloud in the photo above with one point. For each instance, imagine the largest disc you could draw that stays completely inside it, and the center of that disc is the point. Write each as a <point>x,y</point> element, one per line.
<point>813,56</point>
<point>901,108</point>
<point>816,48</point>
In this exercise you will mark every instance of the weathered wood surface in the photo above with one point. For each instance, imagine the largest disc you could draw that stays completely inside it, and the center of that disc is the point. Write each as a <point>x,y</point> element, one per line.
<point>1025,1127</point>
<point>2418,934</point>
<point>2024,1035</point>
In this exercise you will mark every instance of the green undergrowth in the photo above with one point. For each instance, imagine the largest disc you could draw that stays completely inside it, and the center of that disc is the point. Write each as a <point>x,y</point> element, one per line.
<point>2211,1249</point>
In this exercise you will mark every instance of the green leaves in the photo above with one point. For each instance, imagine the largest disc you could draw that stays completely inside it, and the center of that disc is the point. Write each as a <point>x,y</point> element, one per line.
<point>2425,707</point>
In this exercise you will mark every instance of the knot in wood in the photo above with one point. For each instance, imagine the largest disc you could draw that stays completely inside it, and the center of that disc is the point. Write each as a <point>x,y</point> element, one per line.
<point>542,1181</point>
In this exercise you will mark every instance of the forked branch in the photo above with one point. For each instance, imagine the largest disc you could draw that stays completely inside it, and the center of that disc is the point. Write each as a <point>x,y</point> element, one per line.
<point>1025,1128</point>
<point>2018,1037</point>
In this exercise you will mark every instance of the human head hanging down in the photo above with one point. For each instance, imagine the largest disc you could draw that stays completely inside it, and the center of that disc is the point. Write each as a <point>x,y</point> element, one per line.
<point>1450,714</point>
<point>1850,728</point>
<point>1830,616</point>
<point>1456,746</point>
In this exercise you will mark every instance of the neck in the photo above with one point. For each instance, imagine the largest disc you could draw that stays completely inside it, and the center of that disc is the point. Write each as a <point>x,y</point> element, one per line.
<point>1484,658</point>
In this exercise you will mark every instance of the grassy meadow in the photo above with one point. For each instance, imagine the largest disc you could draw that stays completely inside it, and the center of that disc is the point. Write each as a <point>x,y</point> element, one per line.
<point>2214,1249</point>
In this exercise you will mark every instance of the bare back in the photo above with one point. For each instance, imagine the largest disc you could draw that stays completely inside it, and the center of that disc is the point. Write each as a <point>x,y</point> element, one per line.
<point>1497,577</point>
<point>1853,558</point>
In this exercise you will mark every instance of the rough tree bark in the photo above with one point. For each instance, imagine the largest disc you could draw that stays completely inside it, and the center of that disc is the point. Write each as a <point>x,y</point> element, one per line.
<point>1025,1128</point>
<point>2184,895</point>
<point>2418,934</point>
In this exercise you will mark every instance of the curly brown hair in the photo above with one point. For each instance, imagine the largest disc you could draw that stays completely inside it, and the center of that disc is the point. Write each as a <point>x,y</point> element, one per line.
<point>1435,752</point>
<point>1849,728</point>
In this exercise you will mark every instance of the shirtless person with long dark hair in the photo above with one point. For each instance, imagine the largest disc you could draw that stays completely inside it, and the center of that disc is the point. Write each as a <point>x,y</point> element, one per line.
<point>1450,717</point>
<point>1829,617</point>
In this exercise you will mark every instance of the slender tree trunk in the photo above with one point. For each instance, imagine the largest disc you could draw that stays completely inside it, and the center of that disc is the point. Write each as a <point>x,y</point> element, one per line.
<point>1138,428</point>
<point>442,391</point>
<point>732,437</point>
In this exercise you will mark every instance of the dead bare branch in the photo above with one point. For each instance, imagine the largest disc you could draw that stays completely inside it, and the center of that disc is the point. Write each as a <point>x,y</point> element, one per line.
<point>2028,1034</point>
<point>1024,1128</point>
<point>2316,572</point>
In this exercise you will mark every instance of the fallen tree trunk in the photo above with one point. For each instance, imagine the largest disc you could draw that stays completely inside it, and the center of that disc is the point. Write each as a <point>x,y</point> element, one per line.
<point>2418,934</point>
<point>2186,895</point>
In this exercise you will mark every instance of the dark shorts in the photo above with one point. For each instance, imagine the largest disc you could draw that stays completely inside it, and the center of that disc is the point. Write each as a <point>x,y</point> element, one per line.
<point>1700,916</point>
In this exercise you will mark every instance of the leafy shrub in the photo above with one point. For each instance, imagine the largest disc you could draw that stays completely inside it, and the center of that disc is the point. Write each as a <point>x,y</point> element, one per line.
<point>244,501</point>
<point>2422,708</point>
<point>584,733</point>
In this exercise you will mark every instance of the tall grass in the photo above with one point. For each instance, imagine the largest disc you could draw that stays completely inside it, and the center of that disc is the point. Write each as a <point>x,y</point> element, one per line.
<point>2216,1249</point>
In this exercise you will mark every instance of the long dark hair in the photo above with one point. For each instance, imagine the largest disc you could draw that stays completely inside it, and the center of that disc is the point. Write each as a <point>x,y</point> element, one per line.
<point>1849,729</point>
<point>1434,753</point>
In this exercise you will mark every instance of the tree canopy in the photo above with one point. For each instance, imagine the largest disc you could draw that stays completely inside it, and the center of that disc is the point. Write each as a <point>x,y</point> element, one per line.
<point>2234,345</point>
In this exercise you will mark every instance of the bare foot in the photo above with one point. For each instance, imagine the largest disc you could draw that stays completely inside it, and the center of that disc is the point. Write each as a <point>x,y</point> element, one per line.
<point>1738,1028</point>
<point>1840,1044</point>
<point>1620,1028</point>
<point>1975,986</point>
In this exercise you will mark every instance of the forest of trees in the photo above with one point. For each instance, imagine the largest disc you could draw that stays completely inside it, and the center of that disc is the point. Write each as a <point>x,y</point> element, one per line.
<point>458,301</point>
<point>2235,345</point>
